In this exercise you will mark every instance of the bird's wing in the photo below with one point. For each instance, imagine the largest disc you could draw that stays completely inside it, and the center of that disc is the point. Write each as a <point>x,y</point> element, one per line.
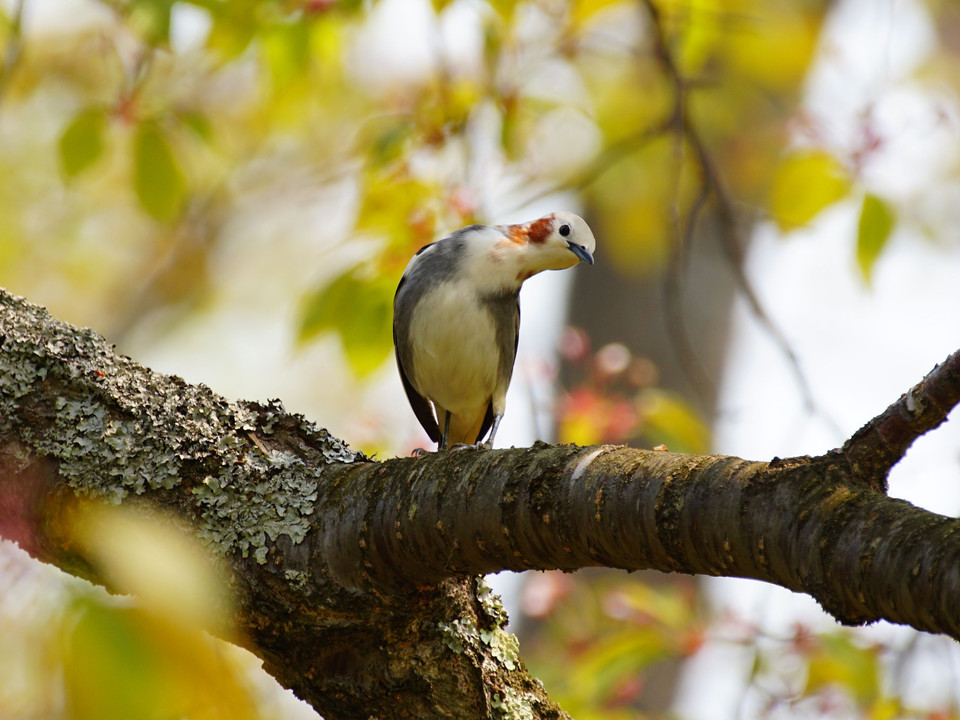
<point>421,407</point>
<point>488,418</point>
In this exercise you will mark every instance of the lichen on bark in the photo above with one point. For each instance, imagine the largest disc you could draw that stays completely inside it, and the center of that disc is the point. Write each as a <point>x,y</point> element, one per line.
<point>115,429</point>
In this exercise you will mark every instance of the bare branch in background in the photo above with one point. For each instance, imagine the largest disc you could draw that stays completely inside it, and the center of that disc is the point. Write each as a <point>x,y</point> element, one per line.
<point>729,234</point>
<point>675,321</point>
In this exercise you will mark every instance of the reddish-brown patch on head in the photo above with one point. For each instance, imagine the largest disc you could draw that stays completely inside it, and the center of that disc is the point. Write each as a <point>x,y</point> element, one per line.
<point>539,230</point>
<point>535,232</point>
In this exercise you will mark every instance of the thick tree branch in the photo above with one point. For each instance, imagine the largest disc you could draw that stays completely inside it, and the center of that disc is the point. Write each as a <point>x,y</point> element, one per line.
<point>354,579</point>
<point>77,420</point>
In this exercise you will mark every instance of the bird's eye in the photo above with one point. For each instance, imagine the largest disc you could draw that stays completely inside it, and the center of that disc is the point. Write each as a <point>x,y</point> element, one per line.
<point>564,230</point>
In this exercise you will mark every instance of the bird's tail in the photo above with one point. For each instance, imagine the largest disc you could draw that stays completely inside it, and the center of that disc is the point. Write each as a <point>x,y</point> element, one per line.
<point>465,428</point>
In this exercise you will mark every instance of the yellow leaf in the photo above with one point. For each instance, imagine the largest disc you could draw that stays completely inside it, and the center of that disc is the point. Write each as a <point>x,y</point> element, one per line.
<point>669,420</point>
<point>774,44</point>
<point>805,183</point>
<point>843,664</point>
<point>886,708</point>
<point>579,429</point>
<point>873,231</point>
<point>667,607</point>
<point>149,557</point>
<point>699,33</point>
<point>286,50</point>
<point>120,662</point>
<point>401,208</point>
<point>583,10</point>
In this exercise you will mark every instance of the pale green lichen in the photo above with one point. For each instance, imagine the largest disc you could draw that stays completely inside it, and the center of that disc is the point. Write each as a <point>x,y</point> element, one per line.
<point>513,705</point>
<point>262,498</point>
<point>300,579</point>
<point>504,646</point>
<point>118,429</point>
<point>464,633</point>
<point>491,603</point>
<point>104,456</point>
<point>460,634</point>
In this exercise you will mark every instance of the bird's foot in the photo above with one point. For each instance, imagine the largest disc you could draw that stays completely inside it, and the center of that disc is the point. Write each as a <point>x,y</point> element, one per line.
<point>419,452</point>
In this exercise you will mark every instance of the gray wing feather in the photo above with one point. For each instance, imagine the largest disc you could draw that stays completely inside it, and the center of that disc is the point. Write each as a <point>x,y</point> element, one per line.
<point>401,346</point>
<point>506,313</point>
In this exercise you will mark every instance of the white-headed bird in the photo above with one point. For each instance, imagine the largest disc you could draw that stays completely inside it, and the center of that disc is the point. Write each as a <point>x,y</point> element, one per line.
<point>456,319</point>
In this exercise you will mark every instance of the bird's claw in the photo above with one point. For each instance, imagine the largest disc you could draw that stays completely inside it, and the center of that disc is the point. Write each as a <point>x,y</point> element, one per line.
<point>419,452</point>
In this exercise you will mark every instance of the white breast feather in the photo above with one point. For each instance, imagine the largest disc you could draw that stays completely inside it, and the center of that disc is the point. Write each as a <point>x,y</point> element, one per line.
<point>455,356</point>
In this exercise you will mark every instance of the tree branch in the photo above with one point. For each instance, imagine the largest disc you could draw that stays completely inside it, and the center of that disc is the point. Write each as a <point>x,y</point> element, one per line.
<point>354,579</point>
<point>876,447</point>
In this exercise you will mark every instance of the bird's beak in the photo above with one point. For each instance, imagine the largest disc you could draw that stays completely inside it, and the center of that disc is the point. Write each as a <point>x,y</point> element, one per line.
<point>581,252</point>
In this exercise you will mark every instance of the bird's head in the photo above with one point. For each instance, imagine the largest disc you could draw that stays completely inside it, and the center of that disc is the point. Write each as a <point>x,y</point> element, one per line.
<point>554,242</point>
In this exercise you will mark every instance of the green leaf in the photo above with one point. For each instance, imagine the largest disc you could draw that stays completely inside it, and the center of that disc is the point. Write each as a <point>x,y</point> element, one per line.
<point>805,183</point>
<point>231,35</point>
<point>81,144</point>
<point>360,310</point>
<point>198,123</point>
<point>873,232</point>
<point>110,669</point>
<point>386,138</point>
<point>156,176</point>
<point>152,18</point>
<point>121,663</point>
<point>617,655</point>
<point>286,50</point>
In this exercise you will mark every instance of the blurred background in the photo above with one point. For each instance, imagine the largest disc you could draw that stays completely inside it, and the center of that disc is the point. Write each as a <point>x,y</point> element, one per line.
<point>229,192</point>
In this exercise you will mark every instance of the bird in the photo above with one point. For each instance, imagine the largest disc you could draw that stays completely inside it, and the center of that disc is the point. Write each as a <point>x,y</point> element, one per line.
<point>456,319</point>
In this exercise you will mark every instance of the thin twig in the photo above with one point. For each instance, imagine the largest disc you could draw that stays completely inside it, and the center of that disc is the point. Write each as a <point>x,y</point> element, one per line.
<point>676,325</point>
<point>682,236</point>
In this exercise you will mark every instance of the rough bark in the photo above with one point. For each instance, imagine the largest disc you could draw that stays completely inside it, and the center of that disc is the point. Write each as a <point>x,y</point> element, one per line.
<point>355,579</point>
